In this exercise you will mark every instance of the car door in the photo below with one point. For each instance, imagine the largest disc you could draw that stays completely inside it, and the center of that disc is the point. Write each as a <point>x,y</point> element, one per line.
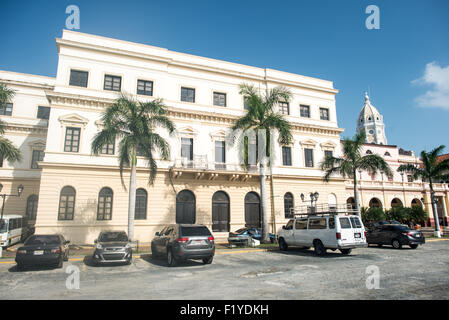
<point>165,239</point>
<point>157,240</point>
<point>287,233</point>
<point>300,232</point>
<point>385,234</point>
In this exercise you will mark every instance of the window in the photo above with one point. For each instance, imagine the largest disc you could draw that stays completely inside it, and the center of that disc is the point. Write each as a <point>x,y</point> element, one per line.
<point>355,222</point>
<point>220,154</point>
<point>112,83</point>
<point>331,223</point>
<point>141,204</point>
<point>304,111</point>
<point>104,210</point>
<point>324,114</point>
<point>31,209</point>
<point>187,148</point>
<point>1,160</point>
<point>301,224</point>
<point>288,205</point>
<point>66,203</point>
<point>38,155</point>
<point>317,223</point>
<point>344,223</point>
<point>308,155</point>
<point>387,154</point>
<point>108,148</point>
<point>187,94</point>
<point>328,153</point>
<point>410,178</point>
<point>245,103</point>
<point>289,225</point>
<point>284,108</point>
<point>286,156</point>
<point>369,152</point>
<point>43,112</point>
<point>72,139</point>
<point>6,109</point>
<point>78,78</point>
<point>219,99</point>
<point>145,87</point>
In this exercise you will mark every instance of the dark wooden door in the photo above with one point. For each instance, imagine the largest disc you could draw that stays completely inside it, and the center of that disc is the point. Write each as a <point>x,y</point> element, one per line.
<point>220,212</point>
<point>252,211</point>
<point>185,207</point>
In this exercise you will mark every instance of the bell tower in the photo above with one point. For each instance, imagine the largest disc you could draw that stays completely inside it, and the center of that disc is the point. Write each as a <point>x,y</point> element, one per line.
<point>371,121</point>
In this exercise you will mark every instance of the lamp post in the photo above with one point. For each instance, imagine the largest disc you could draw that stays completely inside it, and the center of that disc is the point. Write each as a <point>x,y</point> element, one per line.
<point>4,195</point>
<point>433,202</point>
<point>313,198</point>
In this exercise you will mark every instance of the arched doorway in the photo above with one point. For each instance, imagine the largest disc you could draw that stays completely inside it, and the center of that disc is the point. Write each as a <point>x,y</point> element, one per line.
<point>220,212</point>
<point>185,207</point>
<point>351,202</point>
<point>416,203</point>
<point>396,203</point>
<point>332,202</point>
<point>288,205</point>
<point>375,203</point>
<point>253,217</point>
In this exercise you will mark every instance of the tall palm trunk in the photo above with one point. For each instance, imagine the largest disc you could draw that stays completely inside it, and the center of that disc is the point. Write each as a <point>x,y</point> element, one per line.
<point>434,208</point>
<point>132,196</point>
<point>263,193</point>
<point>356,194</point>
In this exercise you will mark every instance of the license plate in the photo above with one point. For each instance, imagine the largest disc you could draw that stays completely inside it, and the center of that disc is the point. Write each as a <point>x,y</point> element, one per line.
<point>38,252</point>
<point>357,235</point>
<point>198,242</point>
<point>417,235</point>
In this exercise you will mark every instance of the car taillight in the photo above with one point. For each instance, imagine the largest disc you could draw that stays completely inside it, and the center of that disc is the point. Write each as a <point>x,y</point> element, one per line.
<point>407,234</point>
<point>211,238</point>
<point>56,250</point>
<point>364,233</point>
<point>338,235</point>
<point>21,251</point>
<point>182,240</point>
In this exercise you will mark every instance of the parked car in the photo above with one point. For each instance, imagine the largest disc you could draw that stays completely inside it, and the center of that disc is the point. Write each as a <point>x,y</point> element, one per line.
<point>112,247</point>
<point>243,235</point>
<point>395,235</point>
<point>50,249</point>
<point>184,241</point>
<point>343,232</point>
<point>14,229</point>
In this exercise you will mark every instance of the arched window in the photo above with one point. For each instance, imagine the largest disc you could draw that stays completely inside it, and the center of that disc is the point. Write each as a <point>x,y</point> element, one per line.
<point>369,152</point>
<point>32,207</point>
<point>416,203</point>
<point>332,202</point>
<point>374,202</point>
<point>351,202</point>
<point>387,154</point>
<point>288,205</point>
<point>253,217</point>
<point>185,207</point>
<point>396,203</point>
<point>67,203</point>
<point>104,210</point>
<point>140,212</point>
<point>220,212</point>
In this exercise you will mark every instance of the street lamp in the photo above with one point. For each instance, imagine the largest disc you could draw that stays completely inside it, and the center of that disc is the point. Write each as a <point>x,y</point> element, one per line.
<point>433,202</point>
<point>313,198</point>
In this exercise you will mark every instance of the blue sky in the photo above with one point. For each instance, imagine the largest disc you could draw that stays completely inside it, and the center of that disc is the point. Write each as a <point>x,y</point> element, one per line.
<point>405,64</point>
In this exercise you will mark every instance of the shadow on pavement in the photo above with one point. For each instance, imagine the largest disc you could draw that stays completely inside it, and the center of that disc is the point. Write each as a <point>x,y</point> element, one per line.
<point>88,261</point>
<point>33,268</point>
<point>162,261</point>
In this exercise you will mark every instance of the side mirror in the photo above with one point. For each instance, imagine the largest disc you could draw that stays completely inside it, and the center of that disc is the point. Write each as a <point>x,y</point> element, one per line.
<point>157,234</point>
<point>284,228</point>
<point>95,241</point>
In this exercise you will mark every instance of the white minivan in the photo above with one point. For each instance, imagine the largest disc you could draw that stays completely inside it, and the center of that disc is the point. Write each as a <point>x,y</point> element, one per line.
<point>13,229</point>
<point>327,231</point>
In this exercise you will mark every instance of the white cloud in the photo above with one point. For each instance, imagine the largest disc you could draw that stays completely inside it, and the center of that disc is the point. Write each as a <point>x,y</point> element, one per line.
<point>437,78</point>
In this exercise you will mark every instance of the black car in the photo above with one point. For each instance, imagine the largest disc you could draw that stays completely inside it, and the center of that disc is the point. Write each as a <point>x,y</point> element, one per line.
<point>112,247</point>
<point>184,241</point>
<point>394,234</point>
<point>49,249</point>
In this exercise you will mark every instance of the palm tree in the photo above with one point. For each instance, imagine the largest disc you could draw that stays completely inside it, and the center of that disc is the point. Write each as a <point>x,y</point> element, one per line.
<point>134,123</point>
<point>7,149</point>
<point>261,115</point>
<point>432,170</point>
<point>353,161</point>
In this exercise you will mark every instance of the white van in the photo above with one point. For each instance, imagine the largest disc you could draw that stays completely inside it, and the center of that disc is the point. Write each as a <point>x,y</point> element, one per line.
<point>323,231</point>
<point>13,229</point>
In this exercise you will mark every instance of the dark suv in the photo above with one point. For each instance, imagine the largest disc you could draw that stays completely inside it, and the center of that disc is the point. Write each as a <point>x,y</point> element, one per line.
<point>112,247</point>
<point>396,235</point>
<point>184,241</point>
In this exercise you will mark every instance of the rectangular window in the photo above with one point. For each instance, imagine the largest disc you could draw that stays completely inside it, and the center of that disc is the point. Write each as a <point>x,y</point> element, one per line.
<point>112,83</point>
<point>328,153</point>
<point>108,148</point>
<point>43,112</point>
<point>219,99</point>
<point>6,109</point>
<point>38,155</point>
<point>308,156</point>
<point>317,223</point>
<point>187,148</point>
<point>324,114</point>
<point>304,111</point>
<point>1,160</point>
<point>301,224</point>
<point>245,104</point>
<point>286,156</point>
<point>78,78</point>
<point>145,87</point>
<point>187,94</point>
<point>284,108</point>
<point>72,139</point>
<point>220,152</point>
<point>409,178</point>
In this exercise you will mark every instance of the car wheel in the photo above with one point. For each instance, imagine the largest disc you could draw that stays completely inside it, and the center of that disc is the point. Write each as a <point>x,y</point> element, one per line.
<point>20,267</point>
<point>170,258</point>
<point>413,246</point>
<point>208,260</point>
<point>319,248</point>
<point>60,263</point>
<point>346,251</point>
<point>379,245</point>
<point>153,251</point>
<point>396,244</point>
<point>283,245</point>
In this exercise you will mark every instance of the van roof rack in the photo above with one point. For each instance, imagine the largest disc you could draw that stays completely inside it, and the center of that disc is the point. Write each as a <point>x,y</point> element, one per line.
<point>323,209</point>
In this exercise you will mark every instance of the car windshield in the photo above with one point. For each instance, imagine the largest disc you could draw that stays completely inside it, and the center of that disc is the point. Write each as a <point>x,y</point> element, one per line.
<point>3,226</point>
<point>113,236</point>
<point>194,231</point>
<point>241,230</point>
<point>402,228</point>
<point>36,240</point>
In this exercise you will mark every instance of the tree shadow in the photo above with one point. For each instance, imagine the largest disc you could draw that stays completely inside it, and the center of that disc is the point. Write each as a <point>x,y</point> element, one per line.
<point>304,252</point>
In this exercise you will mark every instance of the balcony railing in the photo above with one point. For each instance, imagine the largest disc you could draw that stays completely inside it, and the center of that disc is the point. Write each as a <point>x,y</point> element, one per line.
<point>201,163</point>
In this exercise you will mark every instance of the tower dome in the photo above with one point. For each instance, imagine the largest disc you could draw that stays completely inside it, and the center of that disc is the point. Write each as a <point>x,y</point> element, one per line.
<point>371,122</point>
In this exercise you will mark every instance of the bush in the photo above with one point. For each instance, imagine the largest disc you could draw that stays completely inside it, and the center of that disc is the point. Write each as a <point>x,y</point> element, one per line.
<point>397,213</point>
<point>418,214</point>
<point>372,214</point>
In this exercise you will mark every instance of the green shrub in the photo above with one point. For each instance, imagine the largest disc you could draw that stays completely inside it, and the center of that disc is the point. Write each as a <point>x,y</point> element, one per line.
<point>397,213</point>
<point>372,214</point>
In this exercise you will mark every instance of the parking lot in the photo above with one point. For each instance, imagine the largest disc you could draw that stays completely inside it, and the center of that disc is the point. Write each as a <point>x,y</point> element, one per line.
<point>246,274</point>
